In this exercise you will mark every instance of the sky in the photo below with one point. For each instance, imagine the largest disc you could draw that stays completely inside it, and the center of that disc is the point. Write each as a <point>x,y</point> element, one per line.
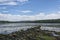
<point>21,10</point>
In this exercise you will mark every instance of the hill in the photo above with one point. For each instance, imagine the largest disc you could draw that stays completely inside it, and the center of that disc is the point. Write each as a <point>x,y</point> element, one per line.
<point>36,21</point>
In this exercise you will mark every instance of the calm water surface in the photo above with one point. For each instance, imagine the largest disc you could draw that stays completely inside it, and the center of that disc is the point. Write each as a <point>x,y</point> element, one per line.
<point>12,27</point>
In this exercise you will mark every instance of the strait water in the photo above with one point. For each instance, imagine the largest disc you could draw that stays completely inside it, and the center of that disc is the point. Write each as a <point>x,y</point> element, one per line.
<point>12,27</point>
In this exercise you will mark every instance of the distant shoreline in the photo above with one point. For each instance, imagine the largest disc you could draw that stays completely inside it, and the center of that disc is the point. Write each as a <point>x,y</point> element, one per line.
<point>36,21</point>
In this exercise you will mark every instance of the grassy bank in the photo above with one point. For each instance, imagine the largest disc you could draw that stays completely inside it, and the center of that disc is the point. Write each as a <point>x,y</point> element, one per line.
<point>29,34</point>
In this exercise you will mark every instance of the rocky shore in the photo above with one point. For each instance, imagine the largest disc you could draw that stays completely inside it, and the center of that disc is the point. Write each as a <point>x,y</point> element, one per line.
<point>30,34</point>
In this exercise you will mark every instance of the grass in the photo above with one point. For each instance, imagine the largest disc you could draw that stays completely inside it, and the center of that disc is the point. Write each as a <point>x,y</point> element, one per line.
<point>48,37</point>
<point>58,33</point>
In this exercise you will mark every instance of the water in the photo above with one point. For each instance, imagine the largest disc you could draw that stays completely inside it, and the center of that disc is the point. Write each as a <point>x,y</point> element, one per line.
<point>12,27</point>
<point>56,29</point>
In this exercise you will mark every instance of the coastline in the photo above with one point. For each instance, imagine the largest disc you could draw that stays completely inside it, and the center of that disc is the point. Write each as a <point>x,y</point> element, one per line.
<point>30,34</point>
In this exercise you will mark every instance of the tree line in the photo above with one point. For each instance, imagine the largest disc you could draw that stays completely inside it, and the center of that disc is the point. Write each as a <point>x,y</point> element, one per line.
<point>36,21</point>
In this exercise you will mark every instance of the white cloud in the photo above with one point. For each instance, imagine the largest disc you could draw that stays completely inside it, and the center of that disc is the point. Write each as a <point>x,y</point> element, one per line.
<point>26,11</point>
<point>40,16</point>
<point>5,11</point>
<point>11,2</point>
<point>58,11</point>
<point>3,7</point>
<point>22,0</point>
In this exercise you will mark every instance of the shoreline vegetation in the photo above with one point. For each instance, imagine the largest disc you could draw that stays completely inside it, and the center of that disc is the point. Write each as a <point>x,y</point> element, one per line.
<point>34,33</point>
<point>35,21</point>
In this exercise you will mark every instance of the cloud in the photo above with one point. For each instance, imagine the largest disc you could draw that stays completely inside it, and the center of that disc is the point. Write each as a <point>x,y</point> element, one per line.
<point>5,11</point>
<point>2,7</point>
<point>40,16</point>
<point>26,11</point>
<point>11,2</point>
<point>22,0</point>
